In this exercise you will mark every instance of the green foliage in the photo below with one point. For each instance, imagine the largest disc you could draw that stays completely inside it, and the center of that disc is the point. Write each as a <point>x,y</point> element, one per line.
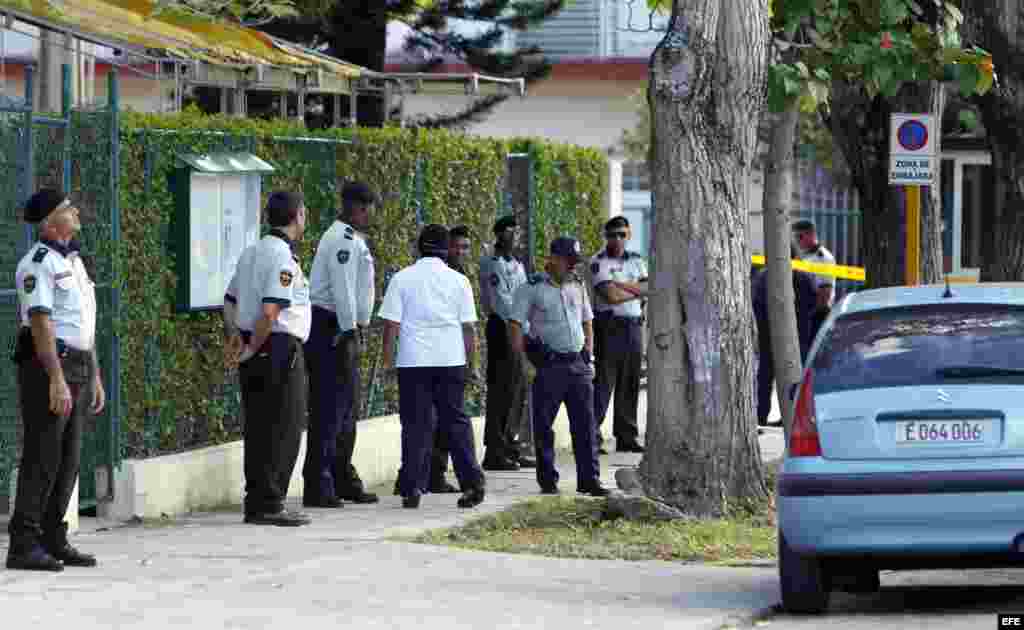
<point>176,392</point>
<point>879,43</point>
<point>580,528</point>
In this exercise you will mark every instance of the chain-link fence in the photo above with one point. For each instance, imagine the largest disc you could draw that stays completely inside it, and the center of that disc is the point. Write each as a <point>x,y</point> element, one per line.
<point>75,152</point>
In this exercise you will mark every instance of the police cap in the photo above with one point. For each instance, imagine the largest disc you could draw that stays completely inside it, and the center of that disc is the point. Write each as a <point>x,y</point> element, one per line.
<point>40,205</point>
<point>566,246</point>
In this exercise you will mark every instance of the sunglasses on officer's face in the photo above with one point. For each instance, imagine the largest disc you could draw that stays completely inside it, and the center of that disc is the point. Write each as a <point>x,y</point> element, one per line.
<point>614,235</point>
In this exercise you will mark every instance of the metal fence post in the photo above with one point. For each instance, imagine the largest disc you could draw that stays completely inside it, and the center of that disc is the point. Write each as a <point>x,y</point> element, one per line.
<point>114,383</point>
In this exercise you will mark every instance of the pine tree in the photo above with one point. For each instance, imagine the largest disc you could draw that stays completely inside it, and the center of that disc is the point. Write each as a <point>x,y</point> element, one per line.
<point>356,31</point>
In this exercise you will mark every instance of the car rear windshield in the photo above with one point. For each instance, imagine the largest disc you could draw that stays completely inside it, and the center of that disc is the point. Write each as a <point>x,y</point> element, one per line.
<point>921,345</point>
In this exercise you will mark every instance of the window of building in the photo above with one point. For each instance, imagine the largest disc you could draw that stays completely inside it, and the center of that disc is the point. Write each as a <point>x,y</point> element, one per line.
<point>635,177</point>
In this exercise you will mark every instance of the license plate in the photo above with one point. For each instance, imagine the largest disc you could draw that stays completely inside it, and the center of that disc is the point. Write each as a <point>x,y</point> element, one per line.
<point>943,431</point>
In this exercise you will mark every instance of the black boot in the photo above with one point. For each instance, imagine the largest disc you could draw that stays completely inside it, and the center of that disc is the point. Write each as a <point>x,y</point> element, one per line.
<point>28,555</point>
<point>56,543</point>
<point>472,497</point>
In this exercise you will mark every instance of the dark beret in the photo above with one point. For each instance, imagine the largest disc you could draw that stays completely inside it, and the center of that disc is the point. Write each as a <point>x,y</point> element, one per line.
<point>617,221</point>
<point>504,223</point>
<point>358,193</point>
<point>803,225</point>
<point>40,205</point>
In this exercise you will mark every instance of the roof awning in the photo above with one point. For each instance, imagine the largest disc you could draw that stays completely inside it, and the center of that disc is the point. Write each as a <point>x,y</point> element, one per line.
<point>131,24</point>
<point>226,163</point>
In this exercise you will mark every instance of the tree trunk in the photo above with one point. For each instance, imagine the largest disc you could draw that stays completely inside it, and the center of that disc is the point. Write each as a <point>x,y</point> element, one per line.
<point>778,202</point>
<point>707,92</point>
<point>995,26</point>
<point>860,127</point>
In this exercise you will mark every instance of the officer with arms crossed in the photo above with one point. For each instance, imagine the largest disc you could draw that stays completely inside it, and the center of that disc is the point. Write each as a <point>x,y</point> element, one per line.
<point>430,308</point>
<point>267,316</point>
<point>342,295</point>
<point>618,275</point>
<point>58,381</point>
<point>557,309</point>
<point>500,275</point>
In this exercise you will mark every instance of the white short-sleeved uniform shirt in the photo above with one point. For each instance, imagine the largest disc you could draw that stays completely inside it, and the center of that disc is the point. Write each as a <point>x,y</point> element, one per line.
<point>555,314</point>
<point>430,302</point>
<point>269,273</point>
<point>630,267</point>
<point>342,276</point>
<point>823,256</point>
<point>500,276</point>
<point>51,279</point>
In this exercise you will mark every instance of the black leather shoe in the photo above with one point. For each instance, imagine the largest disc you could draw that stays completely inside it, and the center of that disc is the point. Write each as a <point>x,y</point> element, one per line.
<point>549,489</point>
<point>360,497</point>
<point>412,501</point>
<point>323,502</point>
<point>443,487</point>
<point>72,557</point>
<point>527,462</point>
<point>283,518</point>
<point>35,559</point>
<point>471,498</point>
<point>594,489</point>
<point>500,465</point>
<point>630,448</point>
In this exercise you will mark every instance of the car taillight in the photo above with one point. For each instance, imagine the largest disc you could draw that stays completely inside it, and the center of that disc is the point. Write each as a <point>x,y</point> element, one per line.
<point>803,438</point>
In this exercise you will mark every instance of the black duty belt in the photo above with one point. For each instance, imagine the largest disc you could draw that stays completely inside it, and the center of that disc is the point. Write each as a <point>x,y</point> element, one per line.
<point>66,351</point>
<point>625,319</point>
<point>247,336</point>
<point>562,357</point>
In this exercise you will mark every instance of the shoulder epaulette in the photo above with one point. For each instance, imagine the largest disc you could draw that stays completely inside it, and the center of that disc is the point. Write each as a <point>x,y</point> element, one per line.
<point>40,255</point>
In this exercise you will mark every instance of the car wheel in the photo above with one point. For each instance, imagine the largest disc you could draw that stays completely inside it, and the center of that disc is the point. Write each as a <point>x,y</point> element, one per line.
<point>802,580</point>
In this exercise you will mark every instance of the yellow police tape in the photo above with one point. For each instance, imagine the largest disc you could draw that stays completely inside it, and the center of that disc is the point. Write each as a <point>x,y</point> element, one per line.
<point>825,269</point>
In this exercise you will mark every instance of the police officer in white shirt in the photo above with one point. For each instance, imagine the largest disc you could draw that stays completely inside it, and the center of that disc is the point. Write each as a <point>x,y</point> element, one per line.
<point>618,276</point>
<point>267,315</point>
<point>500,275</point>
<point>342,294</point>
<point>805,238</point>
<point>429,307</point>
<point>58,380</point>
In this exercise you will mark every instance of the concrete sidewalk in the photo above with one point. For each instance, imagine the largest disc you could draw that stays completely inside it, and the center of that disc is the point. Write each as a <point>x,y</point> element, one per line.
<point>213,571</point>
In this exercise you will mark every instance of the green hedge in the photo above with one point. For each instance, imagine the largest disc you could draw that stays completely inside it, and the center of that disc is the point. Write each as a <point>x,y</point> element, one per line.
<point>176,394</point>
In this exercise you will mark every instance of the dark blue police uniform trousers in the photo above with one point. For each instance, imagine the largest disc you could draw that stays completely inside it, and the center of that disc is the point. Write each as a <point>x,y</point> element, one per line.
<point>330,410</point>
<point>572,382</point>
<point>620,354</point>
<point>428,396</point>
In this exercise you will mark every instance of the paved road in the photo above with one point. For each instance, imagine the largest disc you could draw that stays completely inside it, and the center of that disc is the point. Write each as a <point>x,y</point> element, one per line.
<point>945,600</point>
<point>212,571</point>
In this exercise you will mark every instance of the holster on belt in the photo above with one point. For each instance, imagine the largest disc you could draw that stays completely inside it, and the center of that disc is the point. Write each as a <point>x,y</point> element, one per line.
<point>23,347</point>
<point>537,352</point>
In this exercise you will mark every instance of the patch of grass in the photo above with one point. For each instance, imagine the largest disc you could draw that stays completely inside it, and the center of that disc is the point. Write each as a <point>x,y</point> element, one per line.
<point>575,528</point>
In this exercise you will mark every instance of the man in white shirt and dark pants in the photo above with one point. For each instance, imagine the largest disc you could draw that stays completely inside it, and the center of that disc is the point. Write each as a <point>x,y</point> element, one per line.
<point>58,383</point>
<point>805,238</point>
<point>267,316</point>
<point>342,293</point>
<point>429,307</point>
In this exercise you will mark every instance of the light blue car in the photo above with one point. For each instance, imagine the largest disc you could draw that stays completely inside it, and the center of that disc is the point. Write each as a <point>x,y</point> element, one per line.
<point>907,446</point>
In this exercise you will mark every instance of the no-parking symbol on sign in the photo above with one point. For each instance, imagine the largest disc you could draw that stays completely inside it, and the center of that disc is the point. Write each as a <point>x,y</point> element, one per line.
<point>912,155</point>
